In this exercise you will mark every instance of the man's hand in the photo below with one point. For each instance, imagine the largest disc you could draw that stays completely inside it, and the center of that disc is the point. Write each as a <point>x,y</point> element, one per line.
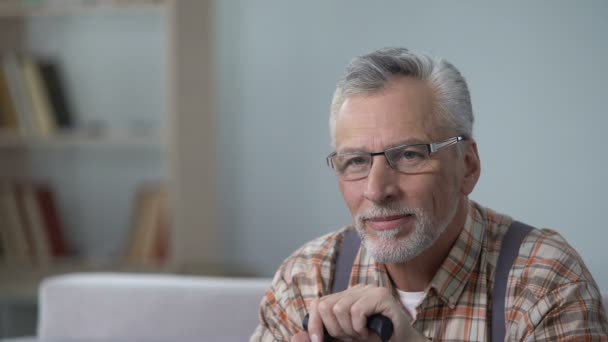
<point>344,315</point>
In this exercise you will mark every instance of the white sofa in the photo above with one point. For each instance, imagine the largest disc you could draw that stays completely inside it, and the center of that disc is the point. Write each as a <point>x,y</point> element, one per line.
<point>138,307</point>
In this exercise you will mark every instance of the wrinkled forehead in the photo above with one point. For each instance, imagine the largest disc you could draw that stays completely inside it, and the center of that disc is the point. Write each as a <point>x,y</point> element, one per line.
<point>403,112</point>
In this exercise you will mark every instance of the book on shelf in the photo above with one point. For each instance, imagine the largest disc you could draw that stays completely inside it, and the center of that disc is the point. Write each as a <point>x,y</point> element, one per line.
<point>50,217</point>
<point>44,116</point>
<point>18,93</point>
<point>13,232</point>
<point>32,96</point>
<point>57,93</point>
<point>8,113</point>
<point>30,229</point>
<point>151,224</point>
<point>31,221</point>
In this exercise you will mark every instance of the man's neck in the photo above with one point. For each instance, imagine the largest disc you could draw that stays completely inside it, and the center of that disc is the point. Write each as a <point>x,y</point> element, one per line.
<point>416,274</point>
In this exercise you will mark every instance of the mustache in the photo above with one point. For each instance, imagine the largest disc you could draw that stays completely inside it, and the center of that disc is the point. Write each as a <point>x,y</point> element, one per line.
<point>379,211</point>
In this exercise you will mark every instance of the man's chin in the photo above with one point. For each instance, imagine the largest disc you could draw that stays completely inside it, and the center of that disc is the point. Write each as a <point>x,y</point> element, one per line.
<point>385,240</point>
<point>386,251</point>
<point>393,234</point>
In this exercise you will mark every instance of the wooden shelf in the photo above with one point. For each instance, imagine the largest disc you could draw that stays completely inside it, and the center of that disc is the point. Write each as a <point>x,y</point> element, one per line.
<point>77,138</point>
<point>17,9</point>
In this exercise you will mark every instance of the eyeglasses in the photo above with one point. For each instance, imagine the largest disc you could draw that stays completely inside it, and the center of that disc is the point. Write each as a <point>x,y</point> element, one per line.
<point>404,158</point>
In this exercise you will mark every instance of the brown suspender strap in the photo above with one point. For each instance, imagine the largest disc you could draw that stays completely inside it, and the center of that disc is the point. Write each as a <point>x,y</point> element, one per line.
<point>509,250</point>
<point>345,259</point>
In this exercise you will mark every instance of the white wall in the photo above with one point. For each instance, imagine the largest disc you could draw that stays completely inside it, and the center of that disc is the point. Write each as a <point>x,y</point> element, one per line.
<point>537,75</point>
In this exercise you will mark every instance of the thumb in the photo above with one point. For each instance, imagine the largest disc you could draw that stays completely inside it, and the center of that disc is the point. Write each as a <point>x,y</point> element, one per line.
<point>302,336</point>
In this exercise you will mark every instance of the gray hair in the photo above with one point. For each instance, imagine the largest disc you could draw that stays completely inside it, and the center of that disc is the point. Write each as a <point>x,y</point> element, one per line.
<point>370,73</point>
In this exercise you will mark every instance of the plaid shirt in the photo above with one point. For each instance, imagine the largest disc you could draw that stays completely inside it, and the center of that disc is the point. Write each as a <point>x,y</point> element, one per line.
<point>550,293</point>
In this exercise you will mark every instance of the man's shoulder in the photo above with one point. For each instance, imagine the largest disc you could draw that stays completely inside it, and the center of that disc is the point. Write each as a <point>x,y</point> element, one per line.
<point>543,254</point>
<point>316,256</point>
<point>546,258</point>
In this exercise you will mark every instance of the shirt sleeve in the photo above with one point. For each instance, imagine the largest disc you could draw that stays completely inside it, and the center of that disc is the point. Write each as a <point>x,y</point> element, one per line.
<point>284,306</point>
<point>303,277</point>
<point>571,312</point>
<point>554,295</point>
<point>281,311</point>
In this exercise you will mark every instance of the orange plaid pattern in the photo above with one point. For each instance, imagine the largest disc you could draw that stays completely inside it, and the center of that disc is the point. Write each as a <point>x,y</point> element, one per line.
<point>550,293</point>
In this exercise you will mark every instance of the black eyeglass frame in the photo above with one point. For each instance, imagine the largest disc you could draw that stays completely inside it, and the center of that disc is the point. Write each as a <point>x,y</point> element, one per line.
<point>431,148</point>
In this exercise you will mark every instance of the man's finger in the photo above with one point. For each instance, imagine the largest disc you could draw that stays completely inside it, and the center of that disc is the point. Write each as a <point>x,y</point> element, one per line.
<point>325,308</point>
<point>351,318</point>
<point>302,336</point>
<point>341,310</point>
<point>315,323</point>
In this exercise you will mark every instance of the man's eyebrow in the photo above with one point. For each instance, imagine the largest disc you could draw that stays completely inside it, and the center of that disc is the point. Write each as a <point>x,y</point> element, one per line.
<point>409,141</point>
<point>350,150</point>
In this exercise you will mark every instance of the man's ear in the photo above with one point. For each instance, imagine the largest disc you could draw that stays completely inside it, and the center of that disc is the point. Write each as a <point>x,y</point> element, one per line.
<point>472,167</point>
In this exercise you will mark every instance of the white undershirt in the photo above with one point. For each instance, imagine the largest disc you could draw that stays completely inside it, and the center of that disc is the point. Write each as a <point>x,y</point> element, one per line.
<point>411,300</point>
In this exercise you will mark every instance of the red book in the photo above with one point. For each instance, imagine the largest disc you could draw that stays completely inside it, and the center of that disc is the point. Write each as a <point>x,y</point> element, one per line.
<point>50,217</point>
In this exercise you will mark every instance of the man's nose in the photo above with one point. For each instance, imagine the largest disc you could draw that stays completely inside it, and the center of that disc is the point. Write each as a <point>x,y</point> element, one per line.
<point>382,180</point>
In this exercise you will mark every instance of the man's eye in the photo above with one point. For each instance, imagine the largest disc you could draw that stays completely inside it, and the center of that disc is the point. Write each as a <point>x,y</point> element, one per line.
<point>352,163</point>
<point>356,161</point>
<point>411,155</point>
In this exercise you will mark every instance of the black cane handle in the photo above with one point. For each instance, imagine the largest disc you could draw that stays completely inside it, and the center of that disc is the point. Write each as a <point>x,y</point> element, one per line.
<point>379,324</point>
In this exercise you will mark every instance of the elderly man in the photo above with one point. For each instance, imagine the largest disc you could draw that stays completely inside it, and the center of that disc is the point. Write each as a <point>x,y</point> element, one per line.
<point>406,161</point>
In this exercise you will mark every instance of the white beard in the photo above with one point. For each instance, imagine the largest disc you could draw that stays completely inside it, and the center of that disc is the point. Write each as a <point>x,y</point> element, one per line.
<point>386,248</point>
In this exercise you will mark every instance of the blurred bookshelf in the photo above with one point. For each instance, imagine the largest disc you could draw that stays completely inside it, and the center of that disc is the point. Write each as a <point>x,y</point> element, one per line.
<point>19,9</point>
<point>82,138</point>
<point>138,81</point>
